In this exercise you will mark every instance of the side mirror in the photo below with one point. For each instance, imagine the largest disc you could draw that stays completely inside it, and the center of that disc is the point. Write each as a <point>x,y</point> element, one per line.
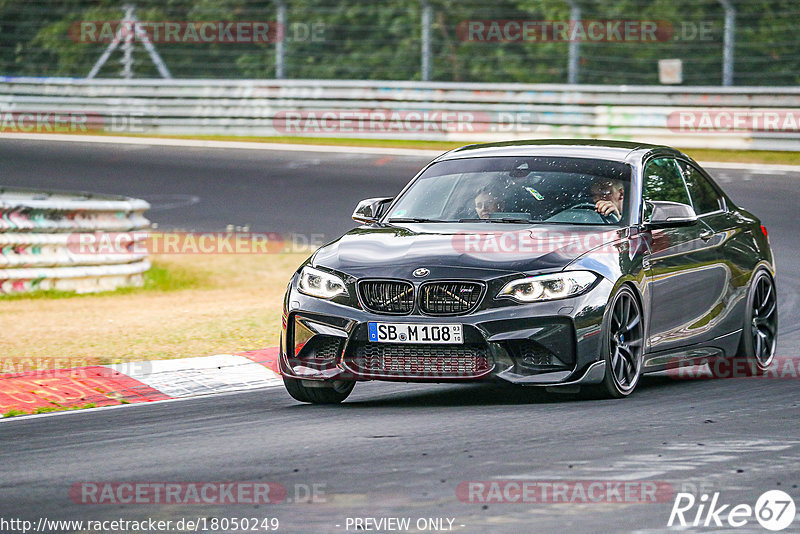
<point>663,214</point>
<point>369,210</point>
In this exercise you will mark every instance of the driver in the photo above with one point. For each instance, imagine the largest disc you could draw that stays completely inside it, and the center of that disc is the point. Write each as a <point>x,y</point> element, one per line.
<point>488,200</point>
<point>608,195</point>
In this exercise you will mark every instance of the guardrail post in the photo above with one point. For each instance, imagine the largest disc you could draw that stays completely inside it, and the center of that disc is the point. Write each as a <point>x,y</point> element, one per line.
<point>427,16</point>
<point>280,50</point>
<point>728,42</point>
<point>574,46</point>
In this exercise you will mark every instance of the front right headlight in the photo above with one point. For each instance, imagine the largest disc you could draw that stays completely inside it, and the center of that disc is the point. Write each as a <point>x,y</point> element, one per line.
<point>548,286</point>
<point>320,284</point>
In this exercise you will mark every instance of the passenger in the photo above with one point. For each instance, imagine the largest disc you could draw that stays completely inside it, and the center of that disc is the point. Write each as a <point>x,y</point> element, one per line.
<point>487,201</point>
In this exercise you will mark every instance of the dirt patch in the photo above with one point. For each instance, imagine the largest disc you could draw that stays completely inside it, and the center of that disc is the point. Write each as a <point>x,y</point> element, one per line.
<point>208,304</point>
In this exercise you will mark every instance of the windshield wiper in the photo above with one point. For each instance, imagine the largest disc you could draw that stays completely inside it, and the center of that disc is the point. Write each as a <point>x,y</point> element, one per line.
<point>415,220</point>
<point>507,220</point>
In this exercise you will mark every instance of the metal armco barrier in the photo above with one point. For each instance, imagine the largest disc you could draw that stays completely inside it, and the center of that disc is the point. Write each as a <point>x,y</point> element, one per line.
<point>63,241</point>
<point>468,112</point>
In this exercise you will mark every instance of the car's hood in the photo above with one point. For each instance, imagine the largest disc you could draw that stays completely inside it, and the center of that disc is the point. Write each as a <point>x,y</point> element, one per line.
<point>478,251</point>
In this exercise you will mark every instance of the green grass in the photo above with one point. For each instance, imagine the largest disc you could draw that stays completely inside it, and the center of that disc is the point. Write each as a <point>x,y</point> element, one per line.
<point>49,409</point>
<point>745,156</point>
<point>158,278</point>
<point>173,278</point>
<point>191,305</point>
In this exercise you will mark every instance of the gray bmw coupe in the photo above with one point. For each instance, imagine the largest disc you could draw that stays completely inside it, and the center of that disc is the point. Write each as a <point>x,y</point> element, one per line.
<point>577,265</point>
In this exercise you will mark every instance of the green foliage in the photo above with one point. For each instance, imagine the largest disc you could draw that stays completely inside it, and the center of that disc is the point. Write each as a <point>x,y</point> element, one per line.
<point>54,408</point>
<point>158,278</point>
<point>47,409</point>
<point>348,39</point>
<point>663,182</point>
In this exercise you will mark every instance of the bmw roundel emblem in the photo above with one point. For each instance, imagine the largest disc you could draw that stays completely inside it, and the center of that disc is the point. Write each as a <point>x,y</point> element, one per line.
<point>422,271</point>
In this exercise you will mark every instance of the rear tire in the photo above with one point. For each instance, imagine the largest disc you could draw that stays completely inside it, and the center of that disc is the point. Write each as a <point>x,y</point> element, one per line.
<point>757,344</point>
<point>623,344</point>
<point>338,391</point>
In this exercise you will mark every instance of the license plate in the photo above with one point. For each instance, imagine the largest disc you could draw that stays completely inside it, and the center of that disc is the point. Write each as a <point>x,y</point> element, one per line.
<point>415,333</point>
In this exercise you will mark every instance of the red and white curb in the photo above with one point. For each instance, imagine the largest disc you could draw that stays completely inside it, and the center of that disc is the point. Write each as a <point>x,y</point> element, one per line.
<point>137,382</point>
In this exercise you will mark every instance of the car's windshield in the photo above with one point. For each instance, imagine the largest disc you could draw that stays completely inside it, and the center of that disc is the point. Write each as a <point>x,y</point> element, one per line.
<point>518,190</point>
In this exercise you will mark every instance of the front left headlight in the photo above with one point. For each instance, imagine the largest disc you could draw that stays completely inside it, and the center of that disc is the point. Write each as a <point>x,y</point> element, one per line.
<point>548,286</point>
<point>320,284</point>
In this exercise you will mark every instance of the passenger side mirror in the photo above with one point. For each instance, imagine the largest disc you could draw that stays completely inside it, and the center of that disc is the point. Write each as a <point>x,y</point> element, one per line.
<point>370,210</point>
<point>664,214</point>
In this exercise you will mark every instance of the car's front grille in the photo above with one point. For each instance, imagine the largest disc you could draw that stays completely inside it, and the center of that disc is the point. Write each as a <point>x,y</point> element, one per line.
<point>387,296</point>
<point>419,361</point>
<point>449,298</point>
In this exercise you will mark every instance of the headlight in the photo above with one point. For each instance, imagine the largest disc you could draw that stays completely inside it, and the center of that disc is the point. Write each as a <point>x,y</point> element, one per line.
<point>320,284</point>
<point>548,286</point>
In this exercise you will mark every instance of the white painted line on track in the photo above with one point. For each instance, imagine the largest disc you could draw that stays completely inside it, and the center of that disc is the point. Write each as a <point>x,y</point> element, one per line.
<point>187,378</point>
<point>29,417</point>
<point>206,375</point>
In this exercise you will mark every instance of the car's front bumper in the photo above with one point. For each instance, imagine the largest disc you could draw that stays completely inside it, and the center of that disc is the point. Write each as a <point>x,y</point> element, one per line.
<point>556,343</point>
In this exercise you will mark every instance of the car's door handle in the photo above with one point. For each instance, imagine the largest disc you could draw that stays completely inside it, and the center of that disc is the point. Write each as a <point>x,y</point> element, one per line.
<point>706,235</point>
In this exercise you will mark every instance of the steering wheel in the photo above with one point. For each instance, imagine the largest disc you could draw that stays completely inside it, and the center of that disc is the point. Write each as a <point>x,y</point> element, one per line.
<point>611,218</point>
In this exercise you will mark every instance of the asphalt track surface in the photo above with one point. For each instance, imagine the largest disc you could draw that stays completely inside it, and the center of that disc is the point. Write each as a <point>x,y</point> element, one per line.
<point>395,450</point>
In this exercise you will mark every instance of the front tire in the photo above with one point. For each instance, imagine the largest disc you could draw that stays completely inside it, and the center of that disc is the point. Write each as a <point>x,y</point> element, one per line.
<point>334,393</point>
<point>623,345</point>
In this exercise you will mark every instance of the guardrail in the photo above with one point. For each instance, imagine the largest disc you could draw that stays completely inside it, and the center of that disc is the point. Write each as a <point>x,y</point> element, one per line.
<point>70,241</point>
<point>412,110</point>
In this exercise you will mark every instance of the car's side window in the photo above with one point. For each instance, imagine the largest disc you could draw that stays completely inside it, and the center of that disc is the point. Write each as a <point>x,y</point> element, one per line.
<point>705,198</point>
<point>663,181</point>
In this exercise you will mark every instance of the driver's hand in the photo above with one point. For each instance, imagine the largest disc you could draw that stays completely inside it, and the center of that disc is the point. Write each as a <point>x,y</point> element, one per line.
<point>607,208</point>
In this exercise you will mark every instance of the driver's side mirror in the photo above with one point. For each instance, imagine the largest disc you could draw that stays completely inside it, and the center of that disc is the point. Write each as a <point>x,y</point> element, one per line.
<point>664,214</point>
<point>370,210</point>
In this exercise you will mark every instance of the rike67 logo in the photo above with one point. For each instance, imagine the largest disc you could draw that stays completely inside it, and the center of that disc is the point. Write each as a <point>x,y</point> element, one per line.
<point>774,510</point>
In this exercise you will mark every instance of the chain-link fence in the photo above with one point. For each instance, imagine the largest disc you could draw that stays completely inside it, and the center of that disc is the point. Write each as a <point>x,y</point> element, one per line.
<point>732,42</point>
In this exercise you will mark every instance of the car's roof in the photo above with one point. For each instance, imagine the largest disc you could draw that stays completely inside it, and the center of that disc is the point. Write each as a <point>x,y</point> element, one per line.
<point>576,148</point>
